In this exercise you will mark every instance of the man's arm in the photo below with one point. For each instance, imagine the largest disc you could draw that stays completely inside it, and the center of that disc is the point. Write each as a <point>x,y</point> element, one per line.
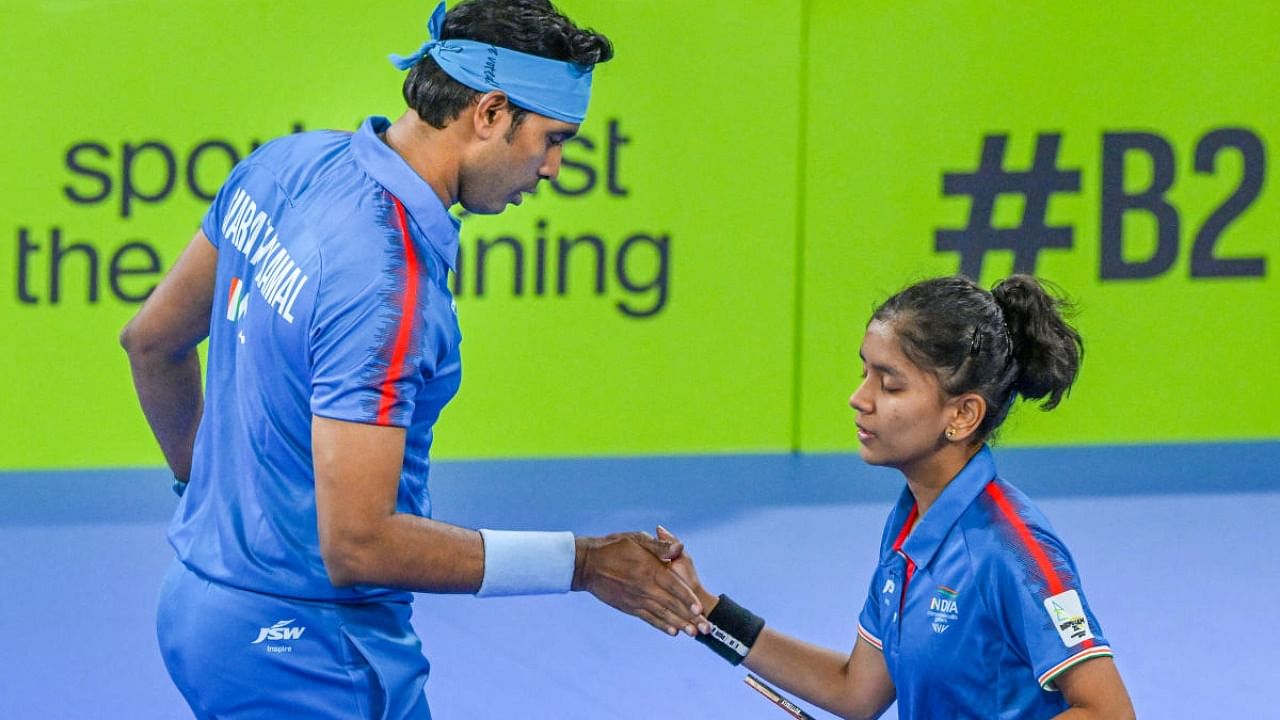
<point>364,540</point>
<point>161,342</point>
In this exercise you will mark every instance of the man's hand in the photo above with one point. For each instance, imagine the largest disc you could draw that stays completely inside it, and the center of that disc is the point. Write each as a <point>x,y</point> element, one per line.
<point>629,571</point>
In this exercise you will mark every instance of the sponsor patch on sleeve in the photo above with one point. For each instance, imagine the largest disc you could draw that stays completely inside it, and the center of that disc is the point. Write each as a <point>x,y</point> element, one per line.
<point>1067,614</point>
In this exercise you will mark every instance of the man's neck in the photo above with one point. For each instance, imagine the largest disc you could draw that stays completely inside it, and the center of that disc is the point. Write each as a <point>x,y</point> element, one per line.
<point>431,152</point>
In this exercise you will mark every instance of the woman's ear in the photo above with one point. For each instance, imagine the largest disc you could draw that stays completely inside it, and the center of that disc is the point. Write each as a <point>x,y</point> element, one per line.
<point>968,411</point>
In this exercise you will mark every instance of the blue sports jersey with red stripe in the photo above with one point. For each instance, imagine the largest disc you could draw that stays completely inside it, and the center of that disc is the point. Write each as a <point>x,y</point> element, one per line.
<point>331,300</point>
<point>980,607</point>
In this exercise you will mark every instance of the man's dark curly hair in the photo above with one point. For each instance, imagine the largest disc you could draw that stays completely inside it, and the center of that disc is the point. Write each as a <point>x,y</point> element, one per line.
<point>529,26</point>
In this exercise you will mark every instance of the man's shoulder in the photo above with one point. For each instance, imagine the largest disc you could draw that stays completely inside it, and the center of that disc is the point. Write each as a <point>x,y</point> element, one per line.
<point>322,186</point>
<point>304,161</point>
<point>300,146</point>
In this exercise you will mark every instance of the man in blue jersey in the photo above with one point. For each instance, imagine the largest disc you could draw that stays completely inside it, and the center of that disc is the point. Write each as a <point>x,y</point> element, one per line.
<point>319,277</point>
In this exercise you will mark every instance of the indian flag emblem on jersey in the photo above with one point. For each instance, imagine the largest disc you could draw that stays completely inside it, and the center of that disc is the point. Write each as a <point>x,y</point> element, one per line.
<point>237,300</point>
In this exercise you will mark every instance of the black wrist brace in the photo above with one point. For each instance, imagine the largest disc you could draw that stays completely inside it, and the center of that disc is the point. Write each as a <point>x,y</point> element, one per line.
<point>734,630</point>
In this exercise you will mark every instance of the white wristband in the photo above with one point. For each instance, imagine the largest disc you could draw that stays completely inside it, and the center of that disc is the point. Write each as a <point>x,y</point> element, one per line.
<point>526,563</point>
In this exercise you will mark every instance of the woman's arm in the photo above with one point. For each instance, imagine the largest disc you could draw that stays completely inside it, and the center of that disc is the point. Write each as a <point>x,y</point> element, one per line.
<point>1094,691</point>
<point>855,686</point>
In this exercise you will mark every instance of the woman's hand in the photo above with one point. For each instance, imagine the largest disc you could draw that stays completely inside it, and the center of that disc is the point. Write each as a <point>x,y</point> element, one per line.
<point>682,566</point>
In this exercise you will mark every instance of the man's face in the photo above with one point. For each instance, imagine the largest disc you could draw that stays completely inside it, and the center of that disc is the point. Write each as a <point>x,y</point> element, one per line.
<point>512,162</point>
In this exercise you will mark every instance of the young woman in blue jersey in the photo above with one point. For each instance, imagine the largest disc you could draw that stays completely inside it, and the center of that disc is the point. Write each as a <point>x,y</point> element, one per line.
<point>975,610</point>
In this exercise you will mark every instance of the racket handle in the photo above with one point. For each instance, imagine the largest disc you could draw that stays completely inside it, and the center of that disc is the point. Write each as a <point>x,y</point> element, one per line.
<point>777,698</point>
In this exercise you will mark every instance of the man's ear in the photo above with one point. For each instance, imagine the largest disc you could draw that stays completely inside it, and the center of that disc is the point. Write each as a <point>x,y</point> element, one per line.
<point>491,114</point>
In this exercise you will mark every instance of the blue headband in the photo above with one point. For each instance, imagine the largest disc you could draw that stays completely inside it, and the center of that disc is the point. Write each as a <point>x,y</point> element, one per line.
<point>554,88</point>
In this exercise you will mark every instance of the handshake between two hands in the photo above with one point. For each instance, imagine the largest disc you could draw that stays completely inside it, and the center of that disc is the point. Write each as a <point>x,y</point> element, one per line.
<point>655,580</point>
<point>651,578</point>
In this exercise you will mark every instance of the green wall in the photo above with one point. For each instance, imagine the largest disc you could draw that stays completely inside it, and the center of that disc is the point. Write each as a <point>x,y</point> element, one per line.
<point>756,175</point>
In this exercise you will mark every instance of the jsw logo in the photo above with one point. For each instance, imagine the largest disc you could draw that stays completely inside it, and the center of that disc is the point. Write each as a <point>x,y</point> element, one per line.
<point>279,631</point>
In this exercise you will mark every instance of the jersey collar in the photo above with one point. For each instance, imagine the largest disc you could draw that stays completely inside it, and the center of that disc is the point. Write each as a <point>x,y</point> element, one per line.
<point>393,173</point>
<point>956,497</point>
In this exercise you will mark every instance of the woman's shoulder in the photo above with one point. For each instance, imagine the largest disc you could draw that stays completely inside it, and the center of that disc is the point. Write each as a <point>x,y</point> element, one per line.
<point>1009,537</point>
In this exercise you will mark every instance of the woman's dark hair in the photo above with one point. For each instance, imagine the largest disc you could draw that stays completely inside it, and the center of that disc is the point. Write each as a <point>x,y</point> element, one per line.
<point>1013,341</point>
<point>528,26</point>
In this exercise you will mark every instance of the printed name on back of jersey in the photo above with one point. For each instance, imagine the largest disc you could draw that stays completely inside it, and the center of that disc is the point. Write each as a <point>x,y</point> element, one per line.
<point>254,234</point>
<point>1067,613</point>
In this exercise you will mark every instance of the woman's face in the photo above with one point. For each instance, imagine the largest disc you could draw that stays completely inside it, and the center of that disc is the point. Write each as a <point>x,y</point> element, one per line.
<point>902,410</point>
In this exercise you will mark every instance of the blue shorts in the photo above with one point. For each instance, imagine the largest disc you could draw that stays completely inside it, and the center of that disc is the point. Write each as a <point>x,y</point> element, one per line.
<point>240,654</point>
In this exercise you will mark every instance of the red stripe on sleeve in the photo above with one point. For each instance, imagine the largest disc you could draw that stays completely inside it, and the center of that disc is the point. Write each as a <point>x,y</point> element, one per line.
<point>1030,543</point>
<point>408,307</point>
